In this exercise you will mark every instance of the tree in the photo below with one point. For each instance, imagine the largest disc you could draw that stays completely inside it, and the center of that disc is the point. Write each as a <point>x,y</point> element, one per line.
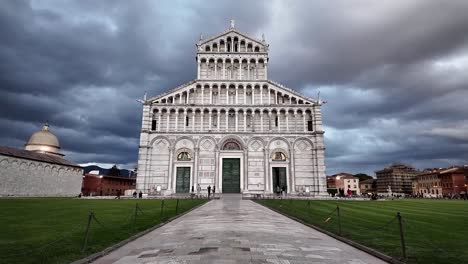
<point>363,176</point>
<point>114,171</point>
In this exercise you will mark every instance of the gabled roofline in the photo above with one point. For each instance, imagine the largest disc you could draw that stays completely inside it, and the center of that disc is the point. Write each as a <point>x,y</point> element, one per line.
<point>296,93</point>
<point>304,97</point>
<point>171,90</point>
<point>203,41</point>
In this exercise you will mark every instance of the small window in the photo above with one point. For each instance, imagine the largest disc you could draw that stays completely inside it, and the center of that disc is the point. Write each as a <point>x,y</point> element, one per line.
<point>349,186</point>
<point>153,125</point>
<point>276,121</point>
<point>184,156</point>
<point>187,121</point>
<point>309,125</point>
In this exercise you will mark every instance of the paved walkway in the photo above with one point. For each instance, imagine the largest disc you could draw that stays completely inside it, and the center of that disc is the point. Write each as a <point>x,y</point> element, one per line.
<point>231,230</point>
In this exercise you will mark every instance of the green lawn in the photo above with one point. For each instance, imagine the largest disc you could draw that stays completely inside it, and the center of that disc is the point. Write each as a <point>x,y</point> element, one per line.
<point>436,231</point>
<point>52,230</point>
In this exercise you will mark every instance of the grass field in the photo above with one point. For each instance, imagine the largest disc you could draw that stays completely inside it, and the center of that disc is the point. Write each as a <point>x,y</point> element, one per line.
<point>52,230</point>
<point>436,231</point>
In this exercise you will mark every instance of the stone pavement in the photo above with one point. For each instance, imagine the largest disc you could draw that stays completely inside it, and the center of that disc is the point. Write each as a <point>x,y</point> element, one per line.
<point>231,230</point>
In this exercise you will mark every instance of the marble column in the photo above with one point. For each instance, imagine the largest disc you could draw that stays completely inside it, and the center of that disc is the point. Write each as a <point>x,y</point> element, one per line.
<point>218,123</point>
<point>184,123</point>
<point>177,120</point>
<point>159,121</point>
<point>245,121</point>
<point>211,94</point>
<point>267,170</point>
<point>209,120</point>
<point>169,180</point>
<point>304,120</point>
<point>198,69</point>
<point>237,120</point>
<point>237,95</point>
<point>224,70</point>
<point>195,169</point>
<point>261,95</point>
<point>193,121</point>
<point>216,70</point>
<point>168,119</point>
<point>201,119</point>
<point>227,120</point>
<point>261,121</point>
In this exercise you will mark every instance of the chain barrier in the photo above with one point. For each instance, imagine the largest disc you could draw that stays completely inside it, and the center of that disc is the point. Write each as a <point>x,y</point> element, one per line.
<point>427,240</point>
<point>93,218</point>
<point>44,246</point>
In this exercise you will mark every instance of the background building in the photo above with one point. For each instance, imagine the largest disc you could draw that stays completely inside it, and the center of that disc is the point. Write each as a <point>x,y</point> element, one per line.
<point>397,178</point>
<point>368,186</point>
<point>104,185</point>
<point>232,128</point>
<point>428,184</point>
<point>344,182</point>
<point>39,170</point>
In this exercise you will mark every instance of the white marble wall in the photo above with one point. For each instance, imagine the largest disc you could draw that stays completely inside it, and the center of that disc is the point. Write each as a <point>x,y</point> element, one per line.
<point>23,177</point>
<point>305,167</point>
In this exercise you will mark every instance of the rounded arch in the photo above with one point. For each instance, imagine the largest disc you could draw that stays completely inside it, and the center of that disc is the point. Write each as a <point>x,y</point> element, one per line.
<point>280,139</point>
<point>185,138</point>
<point>232,138</point>
<point>202,145</point>
<point>257,139</point>
<point>153,141</point>
<point>300,139</point>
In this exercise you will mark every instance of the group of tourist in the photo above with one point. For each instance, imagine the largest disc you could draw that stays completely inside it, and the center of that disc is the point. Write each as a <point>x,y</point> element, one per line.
<point>211,191</point>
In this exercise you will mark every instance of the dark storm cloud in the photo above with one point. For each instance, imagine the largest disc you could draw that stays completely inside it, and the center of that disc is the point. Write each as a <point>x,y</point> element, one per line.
<point>82,64</point>
<point>394,72</point>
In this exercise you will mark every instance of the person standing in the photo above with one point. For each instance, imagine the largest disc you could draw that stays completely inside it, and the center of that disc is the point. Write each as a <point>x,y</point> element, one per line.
<point>214,190</point>
<point>140,195</point>
<point>209,191</point>
<point>198,189</point>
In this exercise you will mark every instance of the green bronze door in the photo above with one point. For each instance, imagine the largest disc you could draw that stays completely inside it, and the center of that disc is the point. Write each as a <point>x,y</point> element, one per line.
<point>183,180</point>
<point>279,180</point>
<point>231,175</point>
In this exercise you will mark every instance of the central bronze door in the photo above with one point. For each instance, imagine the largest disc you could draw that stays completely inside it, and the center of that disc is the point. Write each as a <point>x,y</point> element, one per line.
<point>279,180</point>
<point>231,175</point>
<point>183,180</point>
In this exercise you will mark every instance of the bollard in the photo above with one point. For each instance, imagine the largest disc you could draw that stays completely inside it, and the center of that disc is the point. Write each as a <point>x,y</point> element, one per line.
<point>135,215</point>
<point>402,236</point>
<point>339,219</point>
<point>162,207</point>
<point>177,207</point>
<point>88,229</point>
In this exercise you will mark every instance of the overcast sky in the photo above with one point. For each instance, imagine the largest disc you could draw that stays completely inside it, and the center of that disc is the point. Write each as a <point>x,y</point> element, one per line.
<point>394,73</point>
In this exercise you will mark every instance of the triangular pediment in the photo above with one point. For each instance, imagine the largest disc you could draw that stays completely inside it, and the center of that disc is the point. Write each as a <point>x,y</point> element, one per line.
<point>232,33</point>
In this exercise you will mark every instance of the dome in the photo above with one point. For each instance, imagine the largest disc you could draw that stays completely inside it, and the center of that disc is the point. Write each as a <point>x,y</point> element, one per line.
<point>44,141</point>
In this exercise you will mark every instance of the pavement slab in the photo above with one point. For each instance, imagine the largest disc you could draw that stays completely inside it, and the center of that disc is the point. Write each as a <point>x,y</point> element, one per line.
<point>231,230</point>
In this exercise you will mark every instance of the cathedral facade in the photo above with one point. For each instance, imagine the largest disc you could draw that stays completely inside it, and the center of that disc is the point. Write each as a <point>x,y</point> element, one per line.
<point>232,128</point>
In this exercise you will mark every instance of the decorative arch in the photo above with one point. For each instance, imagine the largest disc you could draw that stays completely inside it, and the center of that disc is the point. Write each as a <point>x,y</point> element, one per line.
<point>157,139</point>
<point>236,143</point>
<point>281,139</point>
<point>185,138</point>
<point>201,144</point>
<point>303,144</point>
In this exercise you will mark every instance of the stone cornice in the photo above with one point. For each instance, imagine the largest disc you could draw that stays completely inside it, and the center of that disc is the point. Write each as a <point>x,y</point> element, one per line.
<point>249,133</point>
